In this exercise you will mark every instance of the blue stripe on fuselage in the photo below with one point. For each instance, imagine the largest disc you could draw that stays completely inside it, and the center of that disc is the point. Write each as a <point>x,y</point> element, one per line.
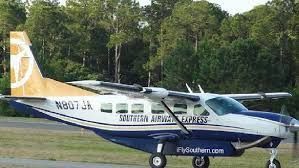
<point>267,115</point>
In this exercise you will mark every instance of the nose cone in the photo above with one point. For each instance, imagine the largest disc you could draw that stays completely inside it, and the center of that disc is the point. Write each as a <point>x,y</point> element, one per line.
<point>294,125</point>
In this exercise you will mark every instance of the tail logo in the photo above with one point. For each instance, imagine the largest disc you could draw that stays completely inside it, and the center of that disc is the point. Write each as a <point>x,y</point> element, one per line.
<point>22,62</point>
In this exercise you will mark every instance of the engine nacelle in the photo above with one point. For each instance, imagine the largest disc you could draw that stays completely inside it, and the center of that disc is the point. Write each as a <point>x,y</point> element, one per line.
<point>155,92</point>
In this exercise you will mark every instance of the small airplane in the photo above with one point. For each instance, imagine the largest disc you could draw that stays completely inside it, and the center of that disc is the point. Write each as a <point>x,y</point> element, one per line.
<point>150,119</point>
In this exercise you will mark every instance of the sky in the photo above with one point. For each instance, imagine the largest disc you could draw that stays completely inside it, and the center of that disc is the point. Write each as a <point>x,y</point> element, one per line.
<point>231,6</point>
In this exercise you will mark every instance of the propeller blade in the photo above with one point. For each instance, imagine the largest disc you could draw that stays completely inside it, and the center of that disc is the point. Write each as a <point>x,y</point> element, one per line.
<point>295,146</point>
<point>284,110</point>
<point>294,125</point>
<point>294,128</point>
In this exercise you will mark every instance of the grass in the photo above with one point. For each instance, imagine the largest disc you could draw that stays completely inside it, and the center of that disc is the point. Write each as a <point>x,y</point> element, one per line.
<point>87,147</point>
<point>2,118</point>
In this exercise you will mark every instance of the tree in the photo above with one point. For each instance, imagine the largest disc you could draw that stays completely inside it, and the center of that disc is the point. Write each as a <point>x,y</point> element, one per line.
<point>271,29</point>
<point>121,20</point>
<point>88,37</point>
<point>46,28</point>
<point>235,27</point>
<point>153,16</point>
<point>190,22</point>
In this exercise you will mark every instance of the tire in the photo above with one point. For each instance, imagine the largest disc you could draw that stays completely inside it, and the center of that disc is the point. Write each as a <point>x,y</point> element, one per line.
<point>201,162</point>
<point>276,164</point>
<point>157,161</point>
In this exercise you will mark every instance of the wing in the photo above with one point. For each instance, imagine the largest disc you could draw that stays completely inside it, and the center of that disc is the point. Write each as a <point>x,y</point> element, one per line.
<point>9,98</point>
<point>136,90</point>
<point>258,96</point>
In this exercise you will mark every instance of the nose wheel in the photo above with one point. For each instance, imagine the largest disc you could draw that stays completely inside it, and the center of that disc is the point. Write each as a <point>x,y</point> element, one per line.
<point>201,162</point>
<point>273,163</point>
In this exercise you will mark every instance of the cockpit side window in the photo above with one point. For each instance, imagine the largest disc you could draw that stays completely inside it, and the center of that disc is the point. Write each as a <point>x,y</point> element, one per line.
<point>225,105</point>
<point>200,111</point>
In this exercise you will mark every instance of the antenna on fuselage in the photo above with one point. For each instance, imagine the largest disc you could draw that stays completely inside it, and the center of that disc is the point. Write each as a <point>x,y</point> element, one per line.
<point>189,89</point>
<point>201,90</point>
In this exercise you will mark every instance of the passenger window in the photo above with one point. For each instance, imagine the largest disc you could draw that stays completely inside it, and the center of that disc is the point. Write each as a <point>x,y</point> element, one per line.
<point>157,108</point>
<point>122,108</point>
<point>137,108</point>
<point>106,108</point>
<point>200,111</point>
<point>180,109</point>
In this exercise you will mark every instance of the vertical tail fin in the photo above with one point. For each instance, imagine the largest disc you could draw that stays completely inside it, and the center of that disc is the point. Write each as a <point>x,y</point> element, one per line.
<point>25,76</point>
<point>24,71</point>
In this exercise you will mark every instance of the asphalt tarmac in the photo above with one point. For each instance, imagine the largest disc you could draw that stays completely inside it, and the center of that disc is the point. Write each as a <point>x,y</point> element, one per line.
<point>31,163</point>
<point>42,124</point>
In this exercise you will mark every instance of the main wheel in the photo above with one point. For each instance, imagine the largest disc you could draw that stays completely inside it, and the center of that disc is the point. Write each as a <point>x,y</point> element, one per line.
<point>157,161</point>
<point>275,164</point>
<point>201,162</point>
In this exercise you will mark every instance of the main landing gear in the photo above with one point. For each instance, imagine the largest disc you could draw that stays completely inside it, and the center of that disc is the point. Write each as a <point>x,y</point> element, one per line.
<point>159,161</point>
<point>273,163</point>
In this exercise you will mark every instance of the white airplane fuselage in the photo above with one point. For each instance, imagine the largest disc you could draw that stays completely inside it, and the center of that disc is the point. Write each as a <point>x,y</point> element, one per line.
<point>88,112</point>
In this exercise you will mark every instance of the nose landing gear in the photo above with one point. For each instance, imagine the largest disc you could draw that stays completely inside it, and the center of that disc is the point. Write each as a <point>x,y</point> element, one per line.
<point>201,162</point>
<point>273,163</point>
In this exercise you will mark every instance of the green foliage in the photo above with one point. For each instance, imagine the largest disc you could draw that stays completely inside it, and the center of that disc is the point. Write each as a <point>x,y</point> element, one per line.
<point>12,13</point>
<point>66,70</point>
<point>182,58</point>
<point>5,110</point>
<point>46,28</point>
<point>191,21</point>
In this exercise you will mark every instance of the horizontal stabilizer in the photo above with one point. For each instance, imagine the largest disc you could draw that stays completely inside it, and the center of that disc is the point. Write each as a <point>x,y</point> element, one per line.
<point>8,98</point>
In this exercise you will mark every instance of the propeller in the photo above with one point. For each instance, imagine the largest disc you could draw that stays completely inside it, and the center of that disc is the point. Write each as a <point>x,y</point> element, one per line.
<point>284,110</point>
<point>294,128</point>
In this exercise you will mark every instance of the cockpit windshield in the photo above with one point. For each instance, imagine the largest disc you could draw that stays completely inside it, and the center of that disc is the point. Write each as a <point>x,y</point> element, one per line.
<point>225,105</point>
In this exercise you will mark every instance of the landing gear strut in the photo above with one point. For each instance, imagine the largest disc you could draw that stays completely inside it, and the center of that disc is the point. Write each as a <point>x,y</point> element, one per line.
<point>273,163</point>
<point>201,162</point>
<point>158,160</point>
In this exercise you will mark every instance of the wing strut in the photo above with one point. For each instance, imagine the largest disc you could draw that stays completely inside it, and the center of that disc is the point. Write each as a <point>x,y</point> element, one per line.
<point>177,121</point>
